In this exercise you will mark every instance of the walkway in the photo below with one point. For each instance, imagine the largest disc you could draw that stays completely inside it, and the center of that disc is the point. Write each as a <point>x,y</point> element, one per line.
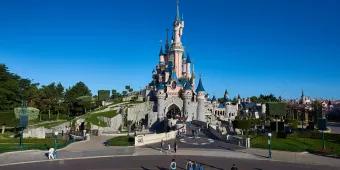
<point>95,148</point>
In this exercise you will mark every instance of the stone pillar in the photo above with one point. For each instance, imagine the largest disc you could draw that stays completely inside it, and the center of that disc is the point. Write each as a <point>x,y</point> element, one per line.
<point>3,129</point>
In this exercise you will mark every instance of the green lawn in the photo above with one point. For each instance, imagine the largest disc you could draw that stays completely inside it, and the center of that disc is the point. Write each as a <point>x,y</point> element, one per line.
<point>12,144</point>
<point>121,141</point>
<point>297,144</point>
<point>93,117</point>
<point>50,124</point>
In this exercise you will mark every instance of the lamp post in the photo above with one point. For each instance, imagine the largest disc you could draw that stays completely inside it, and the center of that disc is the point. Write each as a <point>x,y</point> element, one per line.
<point>55,142</point>
<point>269,145</point>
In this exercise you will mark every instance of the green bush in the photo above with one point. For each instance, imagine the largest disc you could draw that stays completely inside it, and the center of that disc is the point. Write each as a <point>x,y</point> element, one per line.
<point>33,113</point>
<point>293,123</point>
<point>242,124</point>
<point>281,135</point>
<point>8,118</point>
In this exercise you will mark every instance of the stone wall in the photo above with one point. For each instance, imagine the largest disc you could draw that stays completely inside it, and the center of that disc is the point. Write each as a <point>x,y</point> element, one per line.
<point>146,139</point>
<point>113,123</point>
<point>34,133</point>
<point>138,112</point>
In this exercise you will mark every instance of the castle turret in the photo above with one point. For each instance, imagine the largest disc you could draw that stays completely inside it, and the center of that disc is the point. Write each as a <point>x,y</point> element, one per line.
<point>160,101</point>
<point>177,47</point>
<point>200,92</point>
<point>187,95</point>
<point>161,55</point>
<point>238,99</point>
<point>226,95</point>
<point>188,68</point>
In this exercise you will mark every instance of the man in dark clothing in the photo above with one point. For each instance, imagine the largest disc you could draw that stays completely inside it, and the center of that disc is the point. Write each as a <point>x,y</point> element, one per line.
<point>162,144</point>
<point>173,165</point>
<point>234,167</point>
<point>175,147</point>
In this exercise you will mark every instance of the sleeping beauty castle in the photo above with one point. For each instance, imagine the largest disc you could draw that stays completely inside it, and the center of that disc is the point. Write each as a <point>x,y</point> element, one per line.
<point>172,89</point>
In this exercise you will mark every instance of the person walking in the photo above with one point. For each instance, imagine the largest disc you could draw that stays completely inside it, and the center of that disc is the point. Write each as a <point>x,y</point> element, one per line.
<point>189,165</point>
<point>175,147</point>
<point>162,145</point>
<point>169,147</point>
<point>173,165</point>
<point>234,167</point>
<point>51,154</point>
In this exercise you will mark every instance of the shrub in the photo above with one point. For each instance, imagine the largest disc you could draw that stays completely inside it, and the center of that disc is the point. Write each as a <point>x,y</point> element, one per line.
<point>281,134</point>
<point>33,113</point>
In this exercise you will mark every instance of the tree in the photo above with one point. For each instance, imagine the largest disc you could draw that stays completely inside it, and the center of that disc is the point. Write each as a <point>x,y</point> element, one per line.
<point>73,93</point>
<point>243,124</point>
<point>51,98</point>
<point>103,95</point>
<point>14,90</point>
<point>276,110</point>
<point>115,94</point>
<point>265,98</point>
<point>316,111</point>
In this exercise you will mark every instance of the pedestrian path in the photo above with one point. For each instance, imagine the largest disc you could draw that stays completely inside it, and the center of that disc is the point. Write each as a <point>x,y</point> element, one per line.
<point>95,148</point>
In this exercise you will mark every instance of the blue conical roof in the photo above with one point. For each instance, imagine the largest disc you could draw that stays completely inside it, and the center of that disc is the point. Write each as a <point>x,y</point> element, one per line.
<point>161,52</point>
<point>213,98</point>
<point>188,59</point>
<point>173,75</point>
<point>200,87</point>
<point>187,86</point>
<point>170,67</point>
<point>160,86</point>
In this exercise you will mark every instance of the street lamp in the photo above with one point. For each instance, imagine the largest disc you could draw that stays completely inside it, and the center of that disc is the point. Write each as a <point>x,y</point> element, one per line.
<point>269,145</point>
<point>55,142</point>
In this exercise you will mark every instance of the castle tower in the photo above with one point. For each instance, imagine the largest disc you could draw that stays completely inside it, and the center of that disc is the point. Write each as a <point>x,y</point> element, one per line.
<point>177,48</point>
<point>200,102</point>
<point>187,95</point>
<point>226,95</point>
<point>238,99</point>
<point>160,101</point>
<point>161,55</point>
<point>303,98</point>
<point>188,68</point>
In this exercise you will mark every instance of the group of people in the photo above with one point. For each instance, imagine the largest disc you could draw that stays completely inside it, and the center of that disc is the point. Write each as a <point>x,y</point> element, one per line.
<point>195,132</point>
<point>169,146</point>
<point>193,165</point>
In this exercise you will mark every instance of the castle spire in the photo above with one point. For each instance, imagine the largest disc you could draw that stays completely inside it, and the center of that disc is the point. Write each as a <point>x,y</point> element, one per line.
<point>167,46</point>
<point>177,12</point>
<point>161,50</point>
<point>200,87</point>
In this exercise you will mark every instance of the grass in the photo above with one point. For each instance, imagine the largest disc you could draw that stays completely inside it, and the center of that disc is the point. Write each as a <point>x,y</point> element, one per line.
<point>8,144</point>
<point>297,144</point>
<point>50,124</point>
<point>93,118</point>
<point>121,141</point>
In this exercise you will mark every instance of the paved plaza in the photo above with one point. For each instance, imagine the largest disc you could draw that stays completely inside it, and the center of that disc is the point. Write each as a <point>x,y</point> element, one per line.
<point>215,155</point>
<point>162,162</point>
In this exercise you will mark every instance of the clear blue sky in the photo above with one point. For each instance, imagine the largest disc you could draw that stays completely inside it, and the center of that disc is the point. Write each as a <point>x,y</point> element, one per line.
<point>246,46</point>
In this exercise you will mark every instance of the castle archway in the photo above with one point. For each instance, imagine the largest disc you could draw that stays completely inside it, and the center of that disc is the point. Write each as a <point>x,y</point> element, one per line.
<point>173,112</point>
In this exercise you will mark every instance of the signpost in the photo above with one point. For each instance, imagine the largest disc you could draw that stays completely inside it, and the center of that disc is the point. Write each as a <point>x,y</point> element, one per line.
<point>55,143</point>
<point>322,125</point>
<point>23,122</point>
<point>269,145</point>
